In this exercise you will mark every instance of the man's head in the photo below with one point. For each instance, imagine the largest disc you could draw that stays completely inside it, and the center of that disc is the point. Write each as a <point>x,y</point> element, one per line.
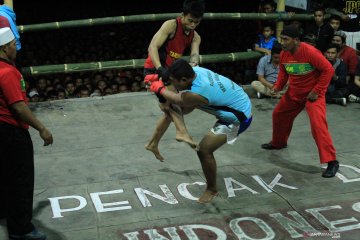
<point>275,53</point>
<point>332,51</point>
<point>335,22</point>
<point>70,87</point>
<point>83,92</point>
<point>319,16</point>
<point>339,38</point>
<point>7,44</point>
<point>268,6</point>
<point>290,38</point>
<point>180,74</point>
<point>310,39</point>
<point>268,30</point>
<point>193,11</point>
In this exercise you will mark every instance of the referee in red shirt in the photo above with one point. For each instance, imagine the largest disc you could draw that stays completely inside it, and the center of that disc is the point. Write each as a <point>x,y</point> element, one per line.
<point>16,148</point>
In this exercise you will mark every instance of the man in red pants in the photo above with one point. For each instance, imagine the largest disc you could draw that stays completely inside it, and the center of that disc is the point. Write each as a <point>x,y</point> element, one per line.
<point>309,74</point>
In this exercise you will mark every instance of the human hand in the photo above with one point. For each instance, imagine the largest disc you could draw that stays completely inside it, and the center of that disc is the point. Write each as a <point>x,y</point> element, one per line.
<point>157,87</point>
<point>345,17</point>
<point>46,136</point>
<point>160,71</point>
<point>274,92</point>
<point>312,96</point>
<point>151,78</point>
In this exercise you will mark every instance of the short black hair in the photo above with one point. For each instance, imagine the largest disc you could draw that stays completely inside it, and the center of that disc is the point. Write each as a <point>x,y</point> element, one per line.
<point>179,69</point>
<point>335,17</point>
<point>195,8</point>
<point>310,38</point>
<point>333,45</point>
<point>276,48</point>
<point>268,2</point>
<point>320,8</point>
<point>268,24</point>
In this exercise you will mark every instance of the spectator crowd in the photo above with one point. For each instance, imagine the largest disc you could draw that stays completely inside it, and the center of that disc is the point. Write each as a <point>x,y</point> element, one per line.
<point>123,41</point>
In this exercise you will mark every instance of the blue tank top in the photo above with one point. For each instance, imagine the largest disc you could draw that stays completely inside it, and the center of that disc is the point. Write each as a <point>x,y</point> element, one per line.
<point>226,98</point>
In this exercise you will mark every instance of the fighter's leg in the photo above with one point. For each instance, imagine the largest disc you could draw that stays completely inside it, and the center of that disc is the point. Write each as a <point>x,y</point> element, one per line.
<point>208,146</point>
<point>177,117</point>
<point>161,127</point>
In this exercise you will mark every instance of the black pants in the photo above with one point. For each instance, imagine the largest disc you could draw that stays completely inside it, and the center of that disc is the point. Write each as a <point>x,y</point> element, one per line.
<point>16,178</point>
<point>354,89</point>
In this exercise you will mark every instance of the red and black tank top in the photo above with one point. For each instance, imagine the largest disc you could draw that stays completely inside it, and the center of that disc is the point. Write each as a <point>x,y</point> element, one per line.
<point>173,48</point>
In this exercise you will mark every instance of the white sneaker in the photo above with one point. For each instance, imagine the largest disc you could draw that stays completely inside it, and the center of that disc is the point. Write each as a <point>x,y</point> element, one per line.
<point>353,98</point>
<point>258,94</point>
<point>343,102</point>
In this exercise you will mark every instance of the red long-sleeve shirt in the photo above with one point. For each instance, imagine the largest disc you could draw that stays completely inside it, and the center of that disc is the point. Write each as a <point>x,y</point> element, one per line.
<point>306,70</point>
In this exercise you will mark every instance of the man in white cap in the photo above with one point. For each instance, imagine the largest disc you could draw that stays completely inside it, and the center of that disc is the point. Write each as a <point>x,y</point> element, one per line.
<point>8,19</point>
<point>16,149</point>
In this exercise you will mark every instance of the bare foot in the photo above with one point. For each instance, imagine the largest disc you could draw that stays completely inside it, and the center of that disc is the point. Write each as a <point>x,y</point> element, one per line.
<point>208,196</point>
<point>187,139</point>
<point>155,151</point>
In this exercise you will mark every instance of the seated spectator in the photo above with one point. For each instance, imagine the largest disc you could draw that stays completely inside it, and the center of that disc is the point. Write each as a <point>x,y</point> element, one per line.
<point>299,24</point>
<point>310,39</point>
<point>34,95</point>
<point>346,53</point>
<point>51,95</point>
<point>335,22</point>
<point>321,29</point>
<point>96,93</point>
<point>354,87</point>
<point>267,71</point>
<point>135,87</point>
<point>61,94</point>
<point>114,87</point>
<point>70,89</point>
<point>41,86</point>
<point>265,40</point>
<point>78,82</point>
<point>348,12</point>
<point>123,88</point>
<point>101,84</point>
<point>266,6</point>
<point>82,92</point>
<point>107,91</point>
<point>337,91</point>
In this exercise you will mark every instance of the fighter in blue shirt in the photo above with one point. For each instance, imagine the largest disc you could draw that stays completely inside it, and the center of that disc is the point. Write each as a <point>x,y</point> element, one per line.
<point>215,94</point>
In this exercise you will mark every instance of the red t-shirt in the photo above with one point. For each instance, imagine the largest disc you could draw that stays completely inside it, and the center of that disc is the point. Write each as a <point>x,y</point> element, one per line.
<point>348,55</point>
<point>12,90</point>
<point>306,70</point>
<point>173,48</point>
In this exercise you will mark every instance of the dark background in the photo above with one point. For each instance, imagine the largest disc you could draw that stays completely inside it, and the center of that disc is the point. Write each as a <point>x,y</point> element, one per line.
<point>40,11</point>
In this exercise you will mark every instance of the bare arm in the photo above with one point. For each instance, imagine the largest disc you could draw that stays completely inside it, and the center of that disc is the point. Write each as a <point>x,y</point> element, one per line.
<point>262,79</point>
<point>195,50</point>
<point>22,111</point>
<point>185,99</point>
<point>166,30</point>
<point>262,50</point>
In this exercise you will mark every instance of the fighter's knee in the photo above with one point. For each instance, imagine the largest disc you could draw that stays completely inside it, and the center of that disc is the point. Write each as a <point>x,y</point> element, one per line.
<point>203,154</point>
